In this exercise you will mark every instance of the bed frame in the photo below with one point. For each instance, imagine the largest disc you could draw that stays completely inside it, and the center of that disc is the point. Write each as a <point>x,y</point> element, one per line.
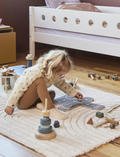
<point>91,23</point>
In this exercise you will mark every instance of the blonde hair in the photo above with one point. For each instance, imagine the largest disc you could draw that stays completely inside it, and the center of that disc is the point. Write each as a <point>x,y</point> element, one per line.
<point>54,61</point>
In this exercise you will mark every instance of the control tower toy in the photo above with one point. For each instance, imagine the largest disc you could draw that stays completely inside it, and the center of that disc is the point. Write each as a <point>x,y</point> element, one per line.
<point>45,131</point>
<point>29,58</point>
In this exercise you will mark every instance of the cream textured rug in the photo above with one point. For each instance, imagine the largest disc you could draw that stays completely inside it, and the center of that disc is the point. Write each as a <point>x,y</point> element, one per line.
<point>74,136</point>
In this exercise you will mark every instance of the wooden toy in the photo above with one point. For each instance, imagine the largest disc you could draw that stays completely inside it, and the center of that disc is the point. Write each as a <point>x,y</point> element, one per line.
<point>98,77</point>
<point>115,78</point>
<point>71,103</point>
<point>95,125</point>
<point>111,108</point>
<point>105,121</point>
<point>5,71</point>
<point>109,117</point>
<point>56,124</point>
<point>45,131</point>
<point>100,114</point>
<point>112,126</point>
<point>71,83</point>
<point>74,84</point>
<point>8,87</point>
<point>107,126</point>
<point>92,75</point>
<point>6,81</point>
<point>115,74</point>
<point>29,57</point>
<point>112,121</point>
<point>107,76</point>
<point>90,121</point>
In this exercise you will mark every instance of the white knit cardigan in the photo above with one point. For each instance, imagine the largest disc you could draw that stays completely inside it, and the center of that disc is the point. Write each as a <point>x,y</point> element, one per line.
<point>26,79</point>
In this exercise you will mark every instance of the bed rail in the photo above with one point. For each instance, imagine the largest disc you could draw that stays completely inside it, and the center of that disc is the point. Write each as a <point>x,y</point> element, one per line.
<point>104,24</point>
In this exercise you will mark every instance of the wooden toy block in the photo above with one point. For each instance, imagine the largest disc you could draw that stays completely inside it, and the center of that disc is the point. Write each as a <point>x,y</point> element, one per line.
<point>115,78</point>
<point>112,121</point>
<point>112,126</point>
<point>56,124</point>
<point>98,77</point>
<point>106,126</point>
<point>90,121</point>
<point>107,76</point>
<point>112,107</point>
<point>108,115</point>
<point>115,74</point>
<point>100,114</point>
<point>92,75</point>
<point>95,125</point>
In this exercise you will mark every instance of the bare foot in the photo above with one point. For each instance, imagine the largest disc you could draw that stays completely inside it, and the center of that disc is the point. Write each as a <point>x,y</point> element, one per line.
<point>54,113</point>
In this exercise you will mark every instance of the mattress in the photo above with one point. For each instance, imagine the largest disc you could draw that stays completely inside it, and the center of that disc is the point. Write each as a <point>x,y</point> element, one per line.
<point>78,35</point>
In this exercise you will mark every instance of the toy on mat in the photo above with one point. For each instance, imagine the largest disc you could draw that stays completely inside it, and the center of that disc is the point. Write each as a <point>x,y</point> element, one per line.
<point>29,57</point>
<point>108,117</point>
<point>45,131</point>
<point>5,71</point>
<point>70,103</point>
<point>95,125</point>
<point>74,84</point>
<point>90,121</point>
<point>56,124</point>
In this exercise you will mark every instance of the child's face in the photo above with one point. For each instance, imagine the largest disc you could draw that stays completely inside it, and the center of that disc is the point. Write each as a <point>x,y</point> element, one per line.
<point>61,73</point>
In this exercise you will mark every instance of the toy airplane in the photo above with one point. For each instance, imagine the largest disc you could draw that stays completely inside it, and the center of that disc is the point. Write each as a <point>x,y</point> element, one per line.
<point>74,84</point>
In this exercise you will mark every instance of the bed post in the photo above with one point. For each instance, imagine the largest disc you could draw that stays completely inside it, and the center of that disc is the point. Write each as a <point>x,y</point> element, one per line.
<point>31,31</point>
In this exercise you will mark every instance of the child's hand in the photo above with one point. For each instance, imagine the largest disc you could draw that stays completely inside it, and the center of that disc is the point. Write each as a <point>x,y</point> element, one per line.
<point>79,96</point>
<point>9,110</point>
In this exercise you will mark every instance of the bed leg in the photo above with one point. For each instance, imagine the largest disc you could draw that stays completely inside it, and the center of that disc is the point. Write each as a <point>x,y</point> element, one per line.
<point>31,31</point>
<point>32,47</point>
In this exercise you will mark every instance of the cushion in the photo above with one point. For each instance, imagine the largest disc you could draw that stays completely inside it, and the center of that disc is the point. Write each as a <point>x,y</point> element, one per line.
<point>56,3</point>
<point>79,6</point>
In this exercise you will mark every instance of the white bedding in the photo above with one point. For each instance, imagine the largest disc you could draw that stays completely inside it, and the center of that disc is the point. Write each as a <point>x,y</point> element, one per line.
<point>78,35</point>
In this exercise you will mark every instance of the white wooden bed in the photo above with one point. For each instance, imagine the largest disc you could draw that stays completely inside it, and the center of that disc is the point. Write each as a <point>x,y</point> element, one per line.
<point>93,31</point>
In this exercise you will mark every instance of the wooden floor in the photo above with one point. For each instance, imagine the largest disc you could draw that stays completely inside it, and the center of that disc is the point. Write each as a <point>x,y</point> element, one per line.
<point>84,63</point>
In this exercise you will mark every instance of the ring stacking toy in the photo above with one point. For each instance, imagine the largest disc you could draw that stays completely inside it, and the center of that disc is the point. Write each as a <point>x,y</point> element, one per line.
<point>45,131</point>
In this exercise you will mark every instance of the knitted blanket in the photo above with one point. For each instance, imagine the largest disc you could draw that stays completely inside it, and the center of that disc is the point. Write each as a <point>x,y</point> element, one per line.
<point>74,136</point>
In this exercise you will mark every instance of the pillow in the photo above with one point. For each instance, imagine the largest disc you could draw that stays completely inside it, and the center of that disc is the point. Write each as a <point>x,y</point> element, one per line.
<point>79,6</point>
<point>55,3</point>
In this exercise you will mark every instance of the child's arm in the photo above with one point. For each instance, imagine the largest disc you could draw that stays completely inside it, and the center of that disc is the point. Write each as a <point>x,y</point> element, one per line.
<point>9,110</point>
<point>67,88</point>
